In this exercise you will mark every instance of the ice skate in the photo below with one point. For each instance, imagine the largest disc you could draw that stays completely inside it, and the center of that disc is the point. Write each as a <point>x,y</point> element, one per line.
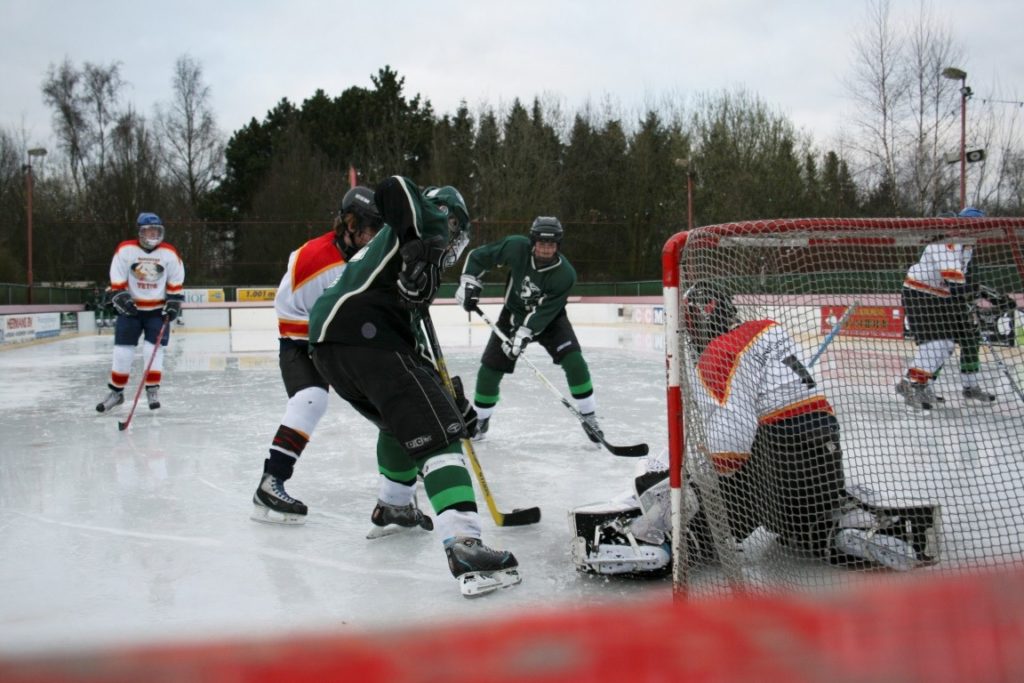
<point>112,400</point>
<point>482,425</point>
<point>272,504</point>
<point>918,396</point>
<point>976,393</point>
<point>904,388</point>
<point>393,519</point>
<point>592,428</point>
<point>152,396</point>
<point>479,569</point>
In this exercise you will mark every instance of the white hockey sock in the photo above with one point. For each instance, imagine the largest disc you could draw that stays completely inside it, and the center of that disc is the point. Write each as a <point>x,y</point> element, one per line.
<point>393,493</point>
<point>305,409</point>
<point>452,523</point>
<point>586,405</point>
<point>483,413</point>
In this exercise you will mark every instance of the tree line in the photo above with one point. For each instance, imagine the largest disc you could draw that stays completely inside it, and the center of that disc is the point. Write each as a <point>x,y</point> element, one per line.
<point>617,179</point>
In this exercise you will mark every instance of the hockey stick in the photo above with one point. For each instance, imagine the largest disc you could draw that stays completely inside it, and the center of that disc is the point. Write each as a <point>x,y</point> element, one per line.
<point>518,516</point>
<point>833,333</point>
<point>1005,370</point>
<point>121,426</point>
<point>634,451</point>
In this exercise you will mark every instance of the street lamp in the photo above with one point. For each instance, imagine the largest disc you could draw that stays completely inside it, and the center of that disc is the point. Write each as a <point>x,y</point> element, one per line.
<point>956,74</point>
<point>685,163</point>
<point>29,182</point>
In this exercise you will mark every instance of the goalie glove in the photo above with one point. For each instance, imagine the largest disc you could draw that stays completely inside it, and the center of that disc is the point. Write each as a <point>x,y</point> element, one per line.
<point>515,346</point>
<point>468,293</point>
<point>172,307</point>
<point>124,304</point>
<point>421,271</point>
<point>469,416</point>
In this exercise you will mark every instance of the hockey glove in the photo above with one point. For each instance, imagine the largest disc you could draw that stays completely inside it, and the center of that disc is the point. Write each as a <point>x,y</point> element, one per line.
<point>124,304</point>
<point>464,406</point>
<point>172,307</point>
<point>515,346</point>
<point>421,271</point>
<point>468,293</point>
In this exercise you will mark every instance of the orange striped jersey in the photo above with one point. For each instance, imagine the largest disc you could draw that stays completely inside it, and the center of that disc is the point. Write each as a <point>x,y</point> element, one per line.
<point>312,268</point>
<point>149,276</point>
<point>940,266</point>
<point>749,376</point>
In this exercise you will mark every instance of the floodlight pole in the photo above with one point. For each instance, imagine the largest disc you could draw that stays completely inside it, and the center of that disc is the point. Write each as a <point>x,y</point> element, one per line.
<point>29,188</point>
<point>956,74</point>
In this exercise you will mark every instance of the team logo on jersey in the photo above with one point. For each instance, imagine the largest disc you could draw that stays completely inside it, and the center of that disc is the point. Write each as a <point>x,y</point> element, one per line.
<point>147,271</point>
<point>529,292</point>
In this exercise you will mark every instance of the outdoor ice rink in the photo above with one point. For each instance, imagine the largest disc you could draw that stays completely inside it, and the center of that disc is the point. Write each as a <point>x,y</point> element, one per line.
<point>143,536</point>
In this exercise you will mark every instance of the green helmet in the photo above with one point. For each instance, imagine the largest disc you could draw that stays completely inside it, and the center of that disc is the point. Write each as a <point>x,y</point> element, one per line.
<point>450,199</point>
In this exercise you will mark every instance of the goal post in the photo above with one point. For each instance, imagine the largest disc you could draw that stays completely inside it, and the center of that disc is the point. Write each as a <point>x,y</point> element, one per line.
<point>962,457</point>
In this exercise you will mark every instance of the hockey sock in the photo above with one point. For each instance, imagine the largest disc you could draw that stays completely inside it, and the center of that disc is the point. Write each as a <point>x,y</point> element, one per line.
<point>121,366</point>
<point>285,450</point>
<point>970,361</point>
<point>577,374</point>
<point>392,460</point>
<point>931,356</point>
<point>487,393</point>
<point>446,480</point>
<point>396,493</point>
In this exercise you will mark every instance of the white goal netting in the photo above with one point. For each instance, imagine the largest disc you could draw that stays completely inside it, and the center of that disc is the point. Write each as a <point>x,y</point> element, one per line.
<point>785,428</point>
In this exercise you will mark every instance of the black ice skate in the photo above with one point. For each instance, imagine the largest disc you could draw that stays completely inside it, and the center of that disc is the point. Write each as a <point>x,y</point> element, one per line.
<point>482,425</point>
<point>272,504</point>
<point>592,428</point>
<point>112,400</point>
<point>479,569</point>
<point>393,519</point>
<point>153,397</point>
<point>978,394</point>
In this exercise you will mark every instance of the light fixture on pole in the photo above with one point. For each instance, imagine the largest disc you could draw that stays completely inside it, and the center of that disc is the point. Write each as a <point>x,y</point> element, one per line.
<point>956,74</point>
<point>29,186</point>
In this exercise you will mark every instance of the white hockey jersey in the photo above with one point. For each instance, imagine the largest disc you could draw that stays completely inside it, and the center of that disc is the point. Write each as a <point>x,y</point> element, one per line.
<point>312,268</point>
<point>749,376</point>
<point>940,266</point>
<point>149,276</point>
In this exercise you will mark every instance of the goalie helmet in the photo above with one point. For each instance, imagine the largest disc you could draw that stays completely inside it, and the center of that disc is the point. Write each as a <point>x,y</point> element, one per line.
<point>151,230</point>
<point>708,312</point>
<point>454,206</point>
<point>546,229</point>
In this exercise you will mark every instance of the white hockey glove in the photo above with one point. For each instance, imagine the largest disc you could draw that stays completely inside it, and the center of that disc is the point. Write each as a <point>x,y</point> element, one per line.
<point>515,346</point>
<point>468,293</point>
<point>124,304</point>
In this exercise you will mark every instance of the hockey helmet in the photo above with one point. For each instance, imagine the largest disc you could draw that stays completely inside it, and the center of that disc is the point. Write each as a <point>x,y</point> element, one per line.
<point>708,312</point>
<point>450,201</point>
<point>546,229</point>
<point>359,201</point>
<point>151,230</point>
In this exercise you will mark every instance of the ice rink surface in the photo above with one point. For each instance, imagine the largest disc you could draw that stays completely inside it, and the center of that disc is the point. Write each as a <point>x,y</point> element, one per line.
<point>111,537</point>
<point>142,536</point>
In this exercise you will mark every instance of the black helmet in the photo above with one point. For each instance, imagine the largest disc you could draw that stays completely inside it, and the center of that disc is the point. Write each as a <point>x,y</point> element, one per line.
<point>708,312</point>
<point>546,229</point>
<point>359,200</point>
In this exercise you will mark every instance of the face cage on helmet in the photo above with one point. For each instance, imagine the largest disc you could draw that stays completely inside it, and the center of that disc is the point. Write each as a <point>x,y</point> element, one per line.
<point>150,243</point>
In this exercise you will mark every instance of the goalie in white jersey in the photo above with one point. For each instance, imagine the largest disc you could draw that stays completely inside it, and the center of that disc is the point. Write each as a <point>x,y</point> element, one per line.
<point>773,453</point>
<point>146,284</point>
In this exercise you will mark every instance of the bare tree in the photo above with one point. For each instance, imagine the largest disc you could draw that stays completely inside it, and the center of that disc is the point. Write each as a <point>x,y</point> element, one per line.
<point>193,147</point>
<point>86,106</point>
<point>878,86</point>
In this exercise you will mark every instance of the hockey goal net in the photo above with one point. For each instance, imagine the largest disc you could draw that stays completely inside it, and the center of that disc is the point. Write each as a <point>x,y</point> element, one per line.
<point>962,458</point>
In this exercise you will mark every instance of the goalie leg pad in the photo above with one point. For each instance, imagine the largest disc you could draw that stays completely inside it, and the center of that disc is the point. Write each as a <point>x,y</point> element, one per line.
<point>900,534</point>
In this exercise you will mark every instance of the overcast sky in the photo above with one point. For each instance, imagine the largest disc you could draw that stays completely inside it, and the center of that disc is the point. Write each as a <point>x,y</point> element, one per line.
<point>793,54</point>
